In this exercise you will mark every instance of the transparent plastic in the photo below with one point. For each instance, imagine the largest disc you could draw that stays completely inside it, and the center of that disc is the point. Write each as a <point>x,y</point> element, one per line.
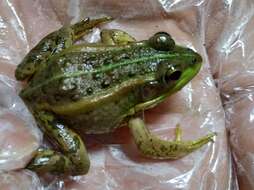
<point>115,161</point>
<point>232,61</point>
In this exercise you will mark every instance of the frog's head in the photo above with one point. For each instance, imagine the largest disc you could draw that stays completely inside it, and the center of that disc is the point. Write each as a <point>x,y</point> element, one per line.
<point>176,68</point>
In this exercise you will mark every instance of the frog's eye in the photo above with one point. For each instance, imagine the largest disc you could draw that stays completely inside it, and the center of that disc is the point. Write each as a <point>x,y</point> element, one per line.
<point>173,75</point>
<point>162,41</point>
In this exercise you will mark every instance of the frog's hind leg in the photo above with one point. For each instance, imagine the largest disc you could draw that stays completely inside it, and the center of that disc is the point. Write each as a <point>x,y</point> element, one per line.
<point>52,44</point>
<point>83,27</point>
<point>115,37</point>
<point>72,161</point>
<point>152,146</point>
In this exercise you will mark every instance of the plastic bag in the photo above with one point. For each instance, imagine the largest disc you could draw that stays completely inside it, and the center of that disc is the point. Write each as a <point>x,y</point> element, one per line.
<point>21,180</point>
<point>115,162</point>
<point>232,63</point>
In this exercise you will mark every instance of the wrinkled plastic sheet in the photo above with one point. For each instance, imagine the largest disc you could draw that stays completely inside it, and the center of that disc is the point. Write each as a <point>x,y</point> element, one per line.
<point>232,59</point>
<point>115,162</point>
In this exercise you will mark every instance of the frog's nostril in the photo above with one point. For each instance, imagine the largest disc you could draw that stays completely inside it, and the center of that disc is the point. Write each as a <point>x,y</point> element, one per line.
<point>194,60</point>
<point>197,59</point>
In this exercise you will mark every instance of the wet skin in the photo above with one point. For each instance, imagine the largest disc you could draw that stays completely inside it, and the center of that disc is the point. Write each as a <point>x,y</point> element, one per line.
<point>94,88</point>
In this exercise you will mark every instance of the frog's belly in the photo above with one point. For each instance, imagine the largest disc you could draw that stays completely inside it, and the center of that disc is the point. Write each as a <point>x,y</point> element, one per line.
<point>104,119</point>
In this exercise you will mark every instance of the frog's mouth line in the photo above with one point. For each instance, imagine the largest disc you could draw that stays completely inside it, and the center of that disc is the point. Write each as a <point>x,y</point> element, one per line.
<point>186,77</point>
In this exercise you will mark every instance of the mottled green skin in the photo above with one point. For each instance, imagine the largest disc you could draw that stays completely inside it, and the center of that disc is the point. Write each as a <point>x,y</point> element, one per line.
<point>95,88</point>
<point>52,44</point>
<point>74,75</point>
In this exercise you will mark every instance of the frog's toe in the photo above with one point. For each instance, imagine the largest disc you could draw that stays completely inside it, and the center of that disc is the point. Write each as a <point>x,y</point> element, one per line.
<point>152,146</point>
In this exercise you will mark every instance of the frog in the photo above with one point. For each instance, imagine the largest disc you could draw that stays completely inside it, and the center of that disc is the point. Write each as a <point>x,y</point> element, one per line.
<point>76,88</point>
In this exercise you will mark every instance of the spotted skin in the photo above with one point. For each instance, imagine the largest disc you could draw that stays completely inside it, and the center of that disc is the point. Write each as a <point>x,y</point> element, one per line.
<point>52,44</point>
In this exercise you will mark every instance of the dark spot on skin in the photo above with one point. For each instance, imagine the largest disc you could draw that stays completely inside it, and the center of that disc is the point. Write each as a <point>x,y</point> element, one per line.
<point>89,91</point>
<point>105,83</point>
<point>156,154</point>
<point>125,56</point>
<point>131,73</point>
<point>59,136</point>
<point>96,76</point>
<point>173,147</point>
<point>163,148</point>
<point>107,61</point>
<point>139,144</point>
<point>29,68</point>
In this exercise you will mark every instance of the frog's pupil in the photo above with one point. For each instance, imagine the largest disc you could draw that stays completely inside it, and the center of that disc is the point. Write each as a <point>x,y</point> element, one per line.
<point>173,76</point>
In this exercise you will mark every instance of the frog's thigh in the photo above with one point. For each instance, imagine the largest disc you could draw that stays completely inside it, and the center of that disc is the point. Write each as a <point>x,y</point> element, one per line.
<point>73,160</point>
<point>152,146</point>
<point>63,38</point>
<point>115,37</point>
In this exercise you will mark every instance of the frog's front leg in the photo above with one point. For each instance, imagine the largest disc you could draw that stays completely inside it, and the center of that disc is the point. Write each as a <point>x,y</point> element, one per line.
<point>54,43</point>
<point>152,146</point>
<point>73,160</point>
<point>115,37</point>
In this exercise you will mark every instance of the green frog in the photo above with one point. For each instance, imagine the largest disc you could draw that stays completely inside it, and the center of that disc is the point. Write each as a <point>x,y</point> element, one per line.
<point>94,88</point>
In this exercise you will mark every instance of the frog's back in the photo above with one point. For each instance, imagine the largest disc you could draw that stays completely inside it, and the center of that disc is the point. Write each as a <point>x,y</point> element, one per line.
<point>93,86</point>
<point>73,75</point>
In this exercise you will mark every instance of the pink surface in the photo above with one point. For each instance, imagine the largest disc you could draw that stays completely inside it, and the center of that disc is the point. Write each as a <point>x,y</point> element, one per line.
<point>197,107</point>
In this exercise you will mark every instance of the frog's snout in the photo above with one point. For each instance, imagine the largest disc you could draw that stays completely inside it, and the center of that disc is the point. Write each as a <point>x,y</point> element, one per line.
<point>196,62</point>
<point>24,71</point>
<point>19,75</point>
<point>197,59</point>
